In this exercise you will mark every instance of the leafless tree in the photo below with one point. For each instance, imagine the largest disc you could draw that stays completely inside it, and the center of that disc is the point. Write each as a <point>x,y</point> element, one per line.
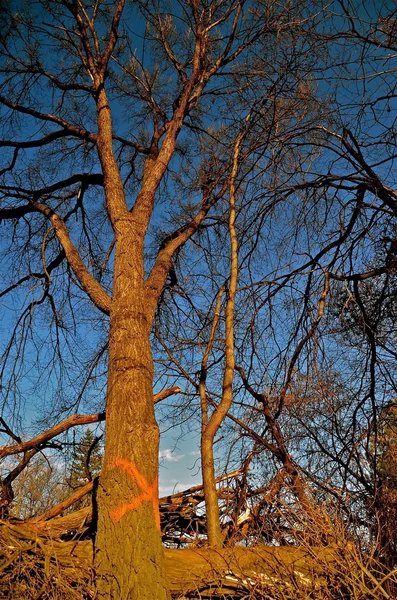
<point>106,111</point>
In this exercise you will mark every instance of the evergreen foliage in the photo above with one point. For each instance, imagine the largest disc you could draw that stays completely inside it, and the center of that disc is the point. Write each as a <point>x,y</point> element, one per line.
<point>86,464</point>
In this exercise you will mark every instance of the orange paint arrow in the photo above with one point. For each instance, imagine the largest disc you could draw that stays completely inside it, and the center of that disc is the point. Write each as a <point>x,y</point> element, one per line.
<point>149,492</point>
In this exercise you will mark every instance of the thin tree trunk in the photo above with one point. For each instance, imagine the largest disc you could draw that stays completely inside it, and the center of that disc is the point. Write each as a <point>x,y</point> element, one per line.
<point>210,425</point>
<point>214,533</point>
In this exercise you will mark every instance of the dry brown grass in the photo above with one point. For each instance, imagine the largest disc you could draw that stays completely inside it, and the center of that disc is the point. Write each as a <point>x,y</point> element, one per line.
<point>38,568</point>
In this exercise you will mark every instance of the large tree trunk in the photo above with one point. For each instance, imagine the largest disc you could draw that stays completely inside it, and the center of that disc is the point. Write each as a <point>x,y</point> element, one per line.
<point>129,559</point>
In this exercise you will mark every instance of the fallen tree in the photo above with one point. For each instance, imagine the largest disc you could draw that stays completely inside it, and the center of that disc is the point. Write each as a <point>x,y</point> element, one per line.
<point>34,565</point>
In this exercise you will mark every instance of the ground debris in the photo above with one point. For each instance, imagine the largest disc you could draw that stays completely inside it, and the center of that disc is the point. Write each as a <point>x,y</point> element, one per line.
<point>34,565</point>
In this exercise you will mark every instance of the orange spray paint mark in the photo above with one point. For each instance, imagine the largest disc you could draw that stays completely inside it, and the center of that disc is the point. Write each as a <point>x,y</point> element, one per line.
<point>149,492</point>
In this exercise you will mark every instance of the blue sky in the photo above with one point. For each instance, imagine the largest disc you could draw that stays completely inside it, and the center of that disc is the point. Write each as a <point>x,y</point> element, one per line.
<point>179,465</point>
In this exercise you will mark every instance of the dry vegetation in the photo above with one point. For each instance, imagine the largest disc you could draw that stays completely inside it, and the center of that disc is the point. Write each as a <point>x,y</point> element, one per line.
<point>53,560</point>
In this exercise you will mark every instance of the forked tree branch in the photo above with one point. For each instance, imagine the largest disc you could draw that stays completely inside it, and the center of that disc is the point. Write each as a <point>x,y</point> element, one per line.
<point>90,285</point>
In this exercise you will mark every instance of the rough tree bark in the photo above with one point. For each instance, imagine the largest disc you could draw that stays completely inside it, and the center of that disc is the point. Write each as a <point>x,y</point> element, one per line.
<point>128,491</point>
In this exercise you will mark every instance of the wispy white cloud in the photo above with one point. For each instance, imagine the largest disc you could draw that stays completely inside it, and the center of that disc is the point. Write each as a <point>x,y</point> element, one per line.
<point>168,490</point>
<point>169,456</point>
